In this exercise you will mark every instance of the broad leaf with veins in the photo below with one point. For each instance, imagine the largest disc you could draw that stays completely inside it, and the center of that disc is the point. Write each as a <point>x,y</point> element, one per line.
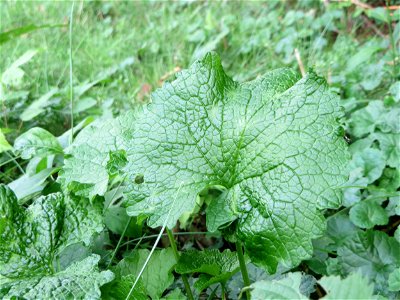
<point>275,144</point>
<point>32,238</point>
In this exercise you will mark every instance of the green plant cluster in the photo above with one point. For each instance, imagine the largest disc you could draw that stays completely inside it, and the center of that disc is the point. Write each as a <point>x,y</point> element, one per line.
<point>273,166</point>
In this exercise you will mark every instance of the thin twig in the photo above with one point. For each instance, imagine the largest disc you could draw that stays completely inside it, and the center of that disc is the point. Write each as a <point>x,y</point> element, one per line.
<point>299,62</point>
<point>71,88</point>
<point>373,27</point>
<point>15,162</point>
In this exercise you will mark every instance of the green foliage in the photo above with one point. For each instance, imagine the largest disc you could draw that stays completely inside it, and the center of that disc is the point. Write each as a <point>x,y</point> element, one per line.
<point>213,265</point>
<point>368,214</point>
<point>37,142</point>
<point>373,253</point>
<point>286,288</point>
<point>156,278</point>
<point>80,280</point>
<point>220,137</point>
<point>354,286</point>
<point>4,145</point>
<point>33,238</point>
<point>95,154</point>
<point>259,158</point>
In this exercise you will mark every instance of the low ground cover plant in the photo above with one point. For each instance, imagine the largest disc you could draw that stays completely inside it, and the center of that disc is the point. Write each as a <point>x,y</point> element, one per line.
<point>230,180</point>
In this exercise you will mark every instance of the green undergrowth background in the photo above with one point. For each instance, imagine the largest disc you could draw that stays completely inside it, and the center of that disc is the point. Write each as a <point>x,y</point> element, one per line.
<point>122,51</point>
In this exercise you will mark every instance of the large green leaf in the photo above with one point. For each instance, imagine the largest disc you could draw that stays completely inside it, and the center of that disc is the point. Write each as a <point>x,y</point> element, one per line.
<point>274,144</point>
<point>31,239</point>
<point>81,280</point>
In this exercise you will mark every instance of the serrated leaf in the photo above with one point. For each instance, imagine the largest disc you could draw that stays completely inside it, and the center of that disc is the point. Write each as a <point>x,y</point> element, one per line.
<point>373,253</point>
<point>367,214</point>
<point>286,288</point>
<point>81,280</point>
<point>219,266</point>
<point>355,286</point>
<point>157,276</point>
<point>275,142</point>
<point>31,238</point>
<point>97,151</point>
<point>37,142</point>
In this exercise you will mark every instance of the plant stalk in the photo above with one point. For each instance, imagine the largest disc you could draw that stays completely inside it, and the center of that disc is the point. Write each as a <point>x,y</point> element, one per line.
<point>243,268</point>
<point>176,254</point>
<point>119,242</point>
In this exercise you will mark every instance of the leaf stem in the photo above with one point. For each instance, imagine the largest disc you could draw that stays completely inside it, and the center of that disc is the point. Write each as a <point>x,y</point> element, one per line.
<point>243,268</point>
<point>71,88</point>
<point>119,242</point>
<point>176,254</point>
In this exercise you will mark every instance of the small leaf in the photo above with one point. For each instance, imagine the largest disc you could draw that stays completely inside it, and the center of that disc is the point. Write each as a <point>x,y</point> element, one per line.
<point>37,106</point>
<point>97,151</point>
<point>13,75</point>
<point>4,145</point>
<point>394,280</point>
<point>389,144</point>
<point>157,276</point>
<point>27,185</point>
<point>395,91</point>
<point>219,266</point>
<point>286,288</point>
<point>365,120</point>
<point>115,218</point>
<point>16,32</point>
<point>370,162</point>
<point>83,104</point>
<point>367,214</point>
<point>355,286</point>
<point>37,142</point>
